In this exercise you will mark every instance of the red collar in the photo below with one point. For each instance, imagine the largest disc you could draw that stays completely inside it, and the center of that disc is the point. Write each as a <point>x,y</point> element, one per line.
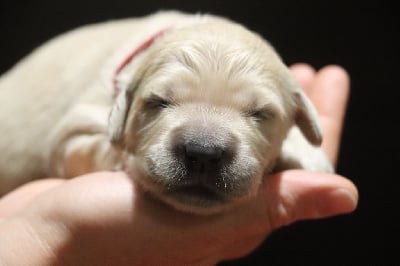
<point>132,55</point>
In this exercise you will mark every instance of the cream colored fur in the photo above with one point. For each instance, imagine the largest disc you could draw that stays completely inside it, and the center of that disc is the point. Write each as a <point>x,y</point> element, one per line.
<point>222,85</point>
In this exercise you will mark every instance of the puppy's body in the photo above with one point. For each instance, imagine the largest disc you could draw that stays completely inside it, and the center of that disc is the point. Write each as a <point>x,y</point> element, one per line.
<point>72,70</point>
<point>201,114</point>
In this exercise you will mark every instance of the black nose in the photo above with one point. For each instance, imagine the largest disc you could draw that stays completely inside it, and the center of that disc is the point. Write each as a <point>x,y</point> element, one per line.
<point>202,158</point>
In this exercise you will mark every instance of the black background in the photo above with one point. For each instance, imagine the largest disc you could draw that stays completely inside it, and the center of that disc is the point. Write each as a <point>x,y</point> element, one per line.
<point>359,35</point>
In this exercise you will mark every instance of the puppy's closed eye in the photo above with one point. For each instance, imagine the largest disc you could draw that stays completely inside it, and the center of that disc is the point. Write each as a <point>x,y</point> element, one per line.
<point>261,115</point>
<point>156,103</point>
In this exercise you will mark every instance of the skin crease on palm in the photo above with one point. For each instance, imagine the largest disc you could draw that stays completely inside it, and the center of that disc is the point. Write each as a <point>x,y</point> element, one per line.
<point>104,218</point>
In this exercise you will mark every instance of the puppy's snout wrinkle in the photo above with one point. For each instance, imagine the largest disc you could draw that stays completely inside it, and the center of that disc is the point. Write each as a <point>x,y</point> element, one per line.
<point>202,158</point>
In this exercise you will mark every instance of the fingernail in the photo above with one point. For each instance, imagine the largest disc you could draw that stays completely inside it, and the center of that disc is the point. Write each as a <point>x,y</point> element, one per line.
<point>345,201</point>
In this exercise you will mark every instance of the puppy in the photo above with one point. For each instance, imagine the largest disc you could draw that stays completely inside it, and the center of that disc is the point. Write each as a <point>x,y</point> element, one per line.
<point>196,108</point>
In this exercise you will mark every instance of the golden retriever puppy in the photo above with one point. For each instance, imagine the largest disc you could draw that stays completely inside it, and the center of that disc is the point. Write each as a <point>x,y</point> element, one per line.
<point>196,108</point>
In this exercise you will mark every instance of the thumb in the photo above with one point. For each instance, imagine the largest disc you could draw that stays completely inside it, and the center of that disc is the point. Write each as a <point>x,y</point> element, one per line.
<point>300,195</point>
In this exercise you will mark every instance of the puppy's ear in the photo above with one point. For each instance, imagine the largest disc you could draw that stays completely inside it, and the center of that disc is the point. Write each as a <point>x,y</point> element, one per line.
<point>306,118</point>
<point>119,114</point>
<point>122,105</point>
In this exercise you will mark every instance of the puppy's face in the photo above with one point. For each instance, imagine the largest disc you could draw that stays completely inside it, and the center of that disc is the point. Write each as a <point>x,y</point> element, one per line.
<point>207,120</point>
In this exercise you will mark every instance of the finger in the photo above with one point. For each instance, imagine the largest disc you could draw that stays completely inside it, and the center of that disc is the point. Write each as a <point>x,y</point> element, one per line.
<point>17,199</point>
<point>329,93</point>
<point>304,74</point>
<point>299,195</point>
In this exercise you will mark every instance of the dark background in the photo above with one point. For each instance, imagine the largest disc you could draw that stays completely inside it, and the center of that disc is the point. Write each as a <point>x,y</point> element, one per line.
<point>359,35</point>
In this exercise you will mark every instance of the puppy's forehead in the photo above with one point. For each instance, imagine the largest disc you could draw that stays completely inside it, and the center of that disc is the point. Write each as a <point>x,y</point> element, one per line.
<point>242,93</point>
<point>227,65</point>
<point>237,87</point>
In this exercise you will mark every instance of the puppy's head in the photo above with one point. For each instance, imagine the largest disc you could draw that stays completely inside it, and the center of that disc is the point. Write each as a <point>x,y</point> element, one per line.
<point>205,116</point>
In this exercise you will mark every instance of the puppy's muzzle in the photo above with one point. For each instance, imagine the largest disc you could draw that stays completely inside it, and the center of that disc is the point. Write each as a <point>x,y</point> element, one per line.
<point>206,155</point>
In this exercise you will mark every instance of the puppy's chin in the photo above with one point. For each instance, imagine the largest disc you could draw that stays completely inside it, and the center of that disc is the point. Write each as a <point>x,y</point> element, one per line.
<point>197,199</point>
<point>190,197</point>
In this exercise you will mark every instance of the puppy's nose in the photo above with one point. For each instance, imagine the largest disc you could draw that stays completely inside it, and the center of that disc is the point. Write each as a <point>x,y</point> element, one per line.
<point>202,158</point>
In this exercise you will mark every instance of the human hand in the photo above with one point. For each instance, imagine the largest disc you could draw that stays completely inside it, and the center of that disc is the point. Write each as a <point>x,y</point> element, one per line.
<point>105,219</point>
